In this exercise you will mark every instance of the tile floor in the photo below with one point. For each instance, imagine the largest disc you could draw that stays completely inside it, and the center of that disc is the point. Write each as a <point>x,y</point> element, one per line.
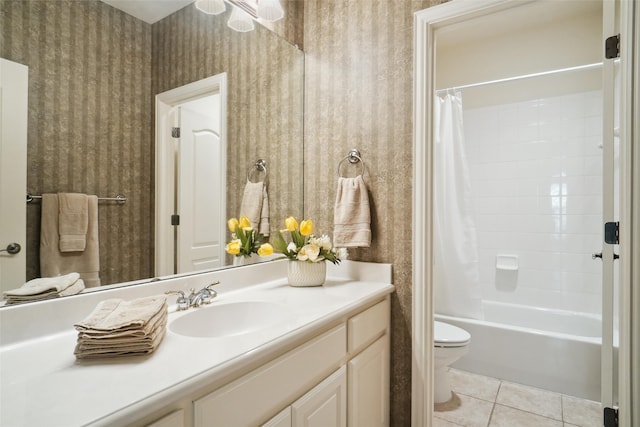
<point>483,401</point>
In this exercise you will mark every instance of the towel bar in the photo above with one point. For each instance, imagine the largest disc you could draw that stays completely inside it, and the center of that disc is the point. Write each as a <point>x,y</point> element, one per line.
<point>118,198</point>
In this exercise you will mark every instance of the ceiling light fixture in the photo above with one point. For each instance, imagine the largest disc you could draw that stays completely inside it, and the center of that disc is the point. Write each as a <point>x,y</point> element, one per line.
<point>270,10</point>
<point>244,12</point>
<point>211,7</point>
<point>240,21</point>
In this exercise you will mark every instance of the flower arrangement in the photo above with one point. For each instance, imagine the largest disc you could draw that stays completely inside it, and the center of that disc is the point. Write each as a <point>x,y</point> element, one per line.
<point>245,239</point>
<point>303,245</point>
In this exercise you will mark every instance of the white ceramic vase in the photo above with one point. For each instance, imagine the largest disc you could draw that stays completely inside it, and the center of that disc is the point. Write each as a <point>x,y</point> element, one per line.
<point>303,273</point>
<point>244,260</point>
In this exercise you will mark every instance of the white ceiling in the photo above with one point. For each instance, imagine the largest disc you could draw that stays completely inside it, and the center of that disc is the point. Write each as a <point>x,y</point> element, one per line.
<point>149,10</point>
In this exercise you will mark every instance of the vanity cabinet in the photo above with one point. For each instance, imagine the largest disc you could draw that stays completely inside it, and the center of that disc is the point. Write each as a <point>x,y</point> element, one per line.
<point>324,405</point>
<point>338,378</point>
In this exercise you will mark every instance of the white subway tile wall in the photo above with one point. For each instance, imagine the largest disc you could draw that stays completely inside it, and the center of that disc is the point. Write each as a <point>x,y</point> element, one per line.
<point>536,172</point>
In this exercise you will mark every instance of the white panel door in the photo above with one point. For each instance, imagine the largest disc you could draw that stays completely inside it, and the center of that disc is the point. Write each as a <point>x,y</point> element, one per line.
<point>200,234</point>
<point>325,405</point>
<point>368,378</point>
<point>13,172</point>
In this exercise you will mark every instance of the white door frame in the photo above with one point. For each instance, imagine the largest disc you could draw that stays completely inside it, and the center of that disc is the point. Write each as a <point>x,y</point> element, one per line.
<point>164,174</point>
<point>426,22</point>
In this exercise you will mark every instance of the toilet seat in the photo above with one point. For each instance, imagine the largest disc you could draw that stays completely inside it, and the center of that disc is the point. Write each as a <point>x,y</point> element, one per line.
<point>446,335</point>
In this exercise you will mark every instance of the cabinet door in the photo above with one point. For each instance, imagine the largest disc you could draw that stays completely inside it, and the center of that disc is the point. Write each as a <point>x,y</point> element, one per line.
<point>325,405</point>
<point>174,419</point>
<point>369,386</point>
<point>283,419</point>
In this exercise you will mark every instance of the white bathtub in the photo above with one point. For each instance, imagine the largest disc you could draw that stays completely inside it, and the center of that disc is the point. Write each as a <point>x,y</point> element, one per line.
<point>550,349</point>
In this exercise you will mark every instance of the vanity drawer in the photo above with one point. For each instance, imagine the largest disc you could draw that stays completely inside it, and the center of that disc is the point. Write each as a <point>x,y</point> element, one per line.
<point>253,398</point>
<point>365,327</point>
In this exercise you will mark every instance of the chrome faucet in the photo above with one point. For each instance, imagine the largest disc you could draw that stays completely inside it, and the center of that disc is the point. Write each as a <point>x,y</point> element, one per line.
<point>182,301</point>
<point>195,299</point>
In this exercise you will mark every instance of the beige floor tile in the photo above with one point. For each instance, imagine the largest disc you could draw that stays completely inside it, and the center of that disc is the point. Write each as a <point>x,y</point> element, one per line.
<point>581,412</point>
<point>465,411</point>
<point>530,399</point>
<point>474,385</point>
<point>439,422</point>
<point>504,416</point>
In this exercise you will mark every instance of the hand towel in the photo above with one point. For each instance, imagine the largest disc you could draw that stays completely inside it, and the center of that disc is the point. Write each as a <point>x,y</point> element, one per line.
<point>84,351</point>
<point>264,213</point>
<point>351,215</point>
<point>73,221</point>
<point>252,200</point>
<point>44,284</point>
<point>53,262</point>
<point>122,328</point>
<point>118,314</point>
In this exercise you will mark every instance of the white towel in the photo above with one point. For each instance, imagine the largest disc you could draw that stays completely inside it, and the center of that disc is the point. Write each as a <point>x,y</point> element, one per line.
<point>53,262</point>
<point>73,221</point>
<point>351,215</point>
<point>255,205</point>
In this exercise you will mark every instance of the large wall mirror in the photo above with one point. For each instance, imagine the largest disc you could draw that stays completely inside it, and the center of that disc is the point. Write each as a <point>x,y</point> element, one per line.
<point>94,72</point>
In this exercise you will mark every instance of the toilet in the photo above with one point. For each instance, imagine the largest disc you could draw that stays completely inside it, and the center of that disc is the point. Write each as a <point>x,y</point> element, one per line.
<point>450,343</point>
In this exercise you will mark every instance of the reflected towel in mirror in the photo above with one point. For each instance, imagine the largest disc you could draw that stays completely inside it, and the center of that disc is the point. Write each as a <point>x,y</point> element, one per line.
<point>53,262</point>
<point>255,205</point>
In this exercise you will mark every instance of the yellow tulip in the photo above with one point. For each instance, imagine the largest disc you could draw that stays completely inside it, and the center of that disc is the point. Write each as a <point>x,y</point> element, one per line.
<point>233,247</point>
<point>232,224</point>
<point>244,221</point>
<point>291,223</point>
<point>306,227</point>
<point>265,249</point>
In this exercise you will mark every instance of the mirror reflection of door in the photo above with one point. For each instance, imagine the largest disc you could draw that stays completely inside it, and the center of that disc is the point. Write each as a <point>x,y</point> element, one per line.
<point>13,175</point>
<point>199,243</point>
<point>191,177</point>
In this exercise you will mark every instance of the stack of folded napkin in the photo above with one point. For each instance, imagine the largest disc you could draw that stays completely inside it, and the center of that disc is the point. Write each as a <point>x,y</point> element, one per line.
<point>45,288</point>
<point>122,328</point>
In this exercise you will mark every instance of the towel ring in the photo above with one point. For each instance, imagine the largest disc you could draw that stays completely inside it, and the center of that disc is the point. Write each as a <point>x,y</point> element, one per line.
<point>353,157</point>
<point>261,166</point>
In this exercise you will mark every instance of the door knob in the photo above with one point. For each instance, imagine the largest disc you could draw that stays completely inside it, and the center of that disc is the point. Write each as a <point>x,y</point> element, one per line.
<point>12,248</point>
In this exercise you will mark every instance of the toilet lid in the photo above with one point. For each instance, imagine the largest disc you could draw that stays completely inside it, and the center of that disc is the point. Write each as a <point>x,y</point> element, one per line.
<point>446,335</point>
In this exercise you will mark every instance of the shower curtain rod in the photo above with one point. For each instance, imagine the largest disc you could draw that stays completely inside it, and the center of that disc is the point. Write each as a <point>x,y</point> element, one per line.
<point>525,76</point>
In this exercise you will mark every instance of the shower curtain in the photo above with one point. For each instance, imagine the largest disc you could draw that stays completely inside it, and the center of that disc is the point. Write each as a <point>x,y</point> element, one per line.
<point>457,288</point>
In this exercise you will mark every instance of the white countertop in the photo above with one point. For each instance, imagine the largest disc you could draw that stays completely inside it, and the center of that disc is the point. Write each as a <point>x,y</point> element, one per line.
<point>42,384</point>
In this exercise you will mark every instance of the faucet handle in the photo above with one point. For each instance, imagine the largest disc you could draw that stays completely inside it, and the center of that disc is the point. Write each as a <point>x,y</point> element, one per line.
<point>217,282</point>
<point>182,301</point>
<point>209,294</point>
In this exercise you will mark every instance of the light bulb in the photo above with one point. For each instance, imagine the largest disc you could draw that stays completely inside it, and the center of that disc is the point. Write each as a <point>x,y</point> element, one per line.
<point>270,10</point>
<point>240,21</point>
<point>211,7</point>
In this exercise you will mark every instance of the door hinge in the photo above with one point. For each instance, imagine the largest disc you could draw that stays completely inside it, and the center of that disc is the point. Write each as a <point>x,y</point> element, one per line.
<point>612,233</point>
<point>175,132</point>
<point>175,219</point>
<point>612,47</point>
<point>610,417</point>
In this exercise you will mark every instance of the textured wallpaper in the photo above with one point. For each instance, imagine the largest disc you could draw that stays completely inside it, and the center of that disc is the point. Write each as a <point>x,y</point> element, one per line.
<point>90,119</point>
<point>358,94</point>
<point>265,102</point>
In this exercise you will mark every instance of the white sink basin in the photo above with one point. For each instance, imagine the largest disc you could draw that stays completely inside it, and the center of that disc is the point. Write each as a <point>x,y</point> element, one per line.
<point>227,319</point>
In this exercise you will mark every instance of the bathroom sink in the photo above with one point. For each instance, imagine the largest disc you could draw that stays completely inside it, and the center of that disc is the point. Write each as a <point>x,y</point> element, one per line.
<point>228,319</point>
